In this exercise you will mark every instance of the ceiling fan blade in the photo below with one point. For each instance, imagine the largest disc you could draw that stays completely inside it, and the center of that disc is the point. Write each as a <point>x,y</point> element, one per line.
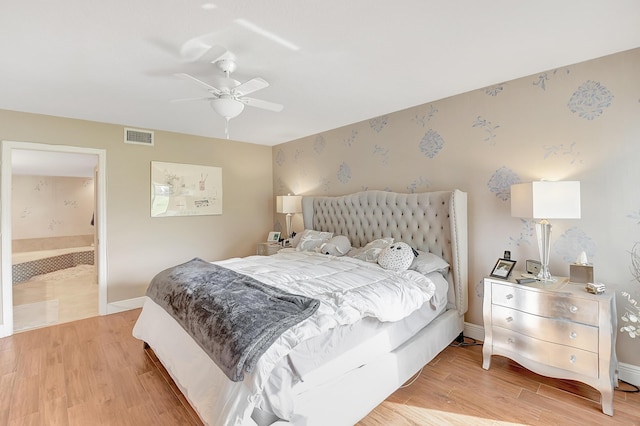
<point>209,98</point>
<point>259,103</point>
<point>250,86</point>
<point>212,89</point>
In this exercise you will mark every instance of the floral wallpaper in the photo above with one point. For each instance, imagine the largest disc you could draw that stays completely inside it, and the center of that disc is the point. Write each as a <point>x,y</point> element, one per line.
<point>579,122</point>
<point>47,206</point>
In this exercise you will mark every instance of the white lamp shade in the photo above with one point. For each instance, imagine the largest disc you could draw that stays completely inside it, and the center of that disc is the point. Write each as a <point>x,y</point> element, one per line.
<point>546,200</point>
<point>289,203</point>
<point>227,107</point>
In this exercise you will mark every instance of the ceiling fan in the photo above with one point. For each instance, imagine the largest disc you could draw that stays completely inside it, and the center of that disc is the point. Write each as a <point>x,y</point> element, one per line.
<point>229,99</point>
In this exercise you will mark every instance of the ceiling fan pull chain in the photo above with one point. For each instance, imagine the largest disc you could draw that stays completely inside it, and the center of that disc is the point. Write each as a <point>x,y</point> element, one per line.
<point>226,127</point>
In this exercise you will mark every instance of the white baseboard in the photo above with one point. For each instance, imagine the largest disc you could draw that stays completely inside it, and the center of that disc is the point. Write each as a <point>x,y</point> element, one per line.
<point>474,331</point>
<point>627,372</point>
<point>125,305</point>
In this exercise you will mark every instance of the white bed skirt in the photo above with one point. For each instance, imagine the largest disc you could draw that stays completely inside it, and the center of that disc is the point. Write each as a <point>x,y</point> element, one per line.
<point>342,402</point>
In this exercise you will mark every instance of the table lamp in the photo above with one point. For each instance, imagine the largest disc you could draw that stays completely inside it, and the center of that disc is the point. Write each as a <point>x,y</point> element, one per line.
<point>289,204</point>
<point>545,200</point>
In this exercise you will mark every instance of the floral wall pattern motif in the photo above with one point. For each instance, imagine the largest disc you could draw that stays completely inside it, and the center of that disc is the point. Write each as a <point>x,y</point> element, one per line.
<point>578,122</point>
<point>590,100</point>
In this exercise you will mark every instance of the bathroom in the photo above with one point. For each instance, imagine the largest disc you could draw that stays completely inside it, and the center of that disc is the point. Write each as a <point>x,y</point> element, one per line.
<point>53,244</point>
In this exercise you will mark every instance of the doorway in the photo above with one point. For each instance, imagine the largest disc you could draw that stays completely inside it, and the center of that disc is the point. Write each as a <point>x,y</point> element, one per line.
<point>66,158</point>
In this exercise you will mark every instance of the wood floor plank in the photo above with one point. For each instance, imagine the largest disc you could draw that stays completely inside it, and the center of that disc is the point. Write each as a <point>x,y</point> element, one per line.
<point>6,384</point>
<point>54,412</point>
<point>52,382</point>
<point>8,360</point>
<point>164,399</point>
<point>127,385</point>
<point>387,415</point>
<point>25,397</point>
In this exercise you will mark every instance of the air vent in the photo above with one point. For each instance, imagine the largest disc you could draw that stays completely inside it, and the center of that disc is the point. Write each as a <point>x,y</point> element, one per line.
<point>138,137</point>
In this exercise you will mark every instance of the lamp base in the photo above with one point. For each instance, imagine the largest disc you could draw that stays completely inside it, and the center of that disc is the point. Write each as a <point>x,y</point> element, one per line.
<point>548,279</point>
<point>288,220</point>
<point>543,232</point>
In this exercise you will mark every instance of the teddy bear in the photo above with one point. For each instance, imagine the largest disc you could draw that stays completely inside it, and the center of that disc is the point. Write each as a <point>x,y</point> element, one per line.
<point>336,246</point>
<point>397,256</point>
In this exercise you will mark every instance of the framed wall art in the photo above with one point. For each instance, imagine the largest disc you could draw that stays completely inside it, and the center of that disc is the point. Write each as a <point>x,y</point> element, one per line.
<point>185,190</point>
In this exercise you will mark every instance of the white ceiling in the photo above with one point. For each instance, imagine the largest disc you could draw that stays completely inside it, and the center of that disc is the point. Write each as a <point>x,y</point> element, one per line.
<point>329,62</point>
<point>48,163</point>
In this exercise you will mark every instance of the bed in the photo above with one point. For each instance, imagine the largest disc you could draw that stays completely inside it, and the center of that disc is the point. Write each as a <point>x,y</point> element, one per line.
<point>342,372</point>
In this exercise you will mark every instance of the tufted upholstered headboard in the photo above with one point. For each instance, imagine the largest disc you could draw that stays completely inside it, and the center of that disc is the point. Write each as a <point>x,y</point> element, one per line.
<point>435,222</point>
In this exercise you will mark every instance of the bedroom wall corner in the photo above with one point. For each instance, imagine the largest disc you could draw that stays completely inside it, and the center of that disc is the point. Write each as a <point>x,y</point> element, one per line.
<point>577,122</point>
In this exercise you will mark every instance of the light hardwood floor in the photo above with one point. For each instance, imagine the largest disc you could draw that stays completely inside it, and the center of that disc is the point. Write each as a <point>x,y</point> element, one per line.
<point>93,372</point>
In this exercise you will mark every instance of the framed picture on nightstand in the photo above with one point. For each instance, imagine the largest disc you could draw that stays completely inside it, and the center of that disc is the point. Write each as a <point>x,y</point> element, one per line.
<point>273,237</point>
<point>503,268</point>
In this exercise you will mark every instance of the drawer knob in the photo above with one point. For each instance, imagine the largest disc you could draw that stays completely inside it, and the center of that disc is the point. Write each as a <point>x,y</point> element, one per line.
<point>573,309</point>
<point>509,319</point>
<point>572,359</point>
<point>510,340</point>
<point>509,296</point>
<point>573,335</point>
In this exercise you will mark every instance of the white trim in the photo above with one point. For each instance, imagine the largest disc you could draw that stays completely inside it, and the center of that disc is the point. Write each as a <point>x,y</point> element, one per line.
<point>627,372</point>
<point>6,284</point>
<point>474,331</point>
<point>125,305</point>
<point>6,327</point>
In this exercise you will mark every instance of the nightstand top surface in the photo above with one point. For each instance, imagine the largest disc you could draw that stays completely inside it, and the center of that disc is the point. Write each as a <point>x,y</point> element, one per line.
<point>560,285</point>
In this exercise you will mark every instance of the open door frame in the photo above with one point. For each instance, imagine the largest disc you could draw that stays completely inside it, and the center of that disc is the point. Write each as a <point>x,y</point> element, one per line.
<point>6,277</point>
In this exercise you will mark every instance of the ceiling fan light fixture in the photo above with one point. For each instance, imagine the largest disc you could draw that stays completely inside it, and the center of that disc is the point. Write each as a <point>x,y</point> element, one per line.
<point>227,107</point>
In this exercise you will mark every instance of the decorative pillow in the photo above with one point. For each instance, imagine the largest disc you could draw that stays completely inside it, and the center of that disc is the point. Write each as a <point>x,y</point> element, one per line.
<point>336,246</point>
<point>310,239</point>
<point>371,250</point>
<point>426,263</point>
<point>396,257</point>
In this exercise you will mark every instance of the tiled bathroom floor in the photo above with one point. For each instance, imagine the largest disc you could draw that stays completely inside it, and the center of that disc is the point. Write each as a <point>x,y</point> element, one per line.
<point>54,298</point>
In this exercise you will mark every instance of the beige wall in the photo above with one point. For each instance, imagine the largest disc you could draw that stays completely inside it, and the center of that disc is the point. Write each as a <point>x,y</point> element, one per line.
<point>139,246</point>
<point>51,206</point>
<point>581,123</point>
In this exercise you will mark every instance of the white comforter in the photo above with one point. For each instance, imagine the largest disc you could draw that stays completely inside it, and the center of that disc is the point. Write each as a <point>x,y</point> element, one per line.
<point>348,289</point>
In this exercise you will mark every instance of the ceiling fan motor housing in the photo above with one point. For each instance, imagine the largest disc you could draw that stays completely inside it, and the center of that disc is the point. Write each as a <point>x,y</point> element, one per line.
<point>227,66</point>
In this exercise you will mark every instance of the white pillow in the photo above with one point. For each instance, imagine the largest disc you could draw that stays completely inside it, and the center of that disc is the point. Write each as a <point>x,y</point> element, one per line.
<point>426,263</point>
<point>396,257</point>
<point>310,239</point>
<point>371,251</point>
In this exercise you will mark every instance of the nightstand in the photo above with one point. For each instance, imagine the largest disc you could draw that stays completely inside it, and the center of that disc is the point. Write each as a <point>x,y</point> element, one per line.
<point>553,329</point>
<point>267,249</point>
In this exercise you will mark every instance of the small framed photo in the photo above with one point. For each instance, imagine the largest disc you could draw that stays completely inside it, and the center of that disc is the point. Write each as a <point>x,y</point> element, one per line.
<point>503,268</point>
<point>274,237</point>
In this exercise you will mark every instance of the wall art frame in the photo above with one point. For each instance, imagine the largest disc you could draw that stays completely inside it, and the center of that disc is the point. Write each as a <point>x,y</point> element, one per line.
<point>179,189</point>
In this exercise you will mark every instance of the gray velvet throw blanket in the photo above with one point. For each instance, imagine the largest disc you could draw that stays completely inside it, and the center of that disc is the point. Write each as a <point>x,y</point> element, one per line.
<point>233,317</point>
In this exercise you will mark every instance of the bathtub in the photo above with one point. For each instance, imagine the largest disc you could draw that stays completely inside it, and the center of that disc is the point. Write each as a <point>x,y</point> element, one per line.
<point>31,263</point>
